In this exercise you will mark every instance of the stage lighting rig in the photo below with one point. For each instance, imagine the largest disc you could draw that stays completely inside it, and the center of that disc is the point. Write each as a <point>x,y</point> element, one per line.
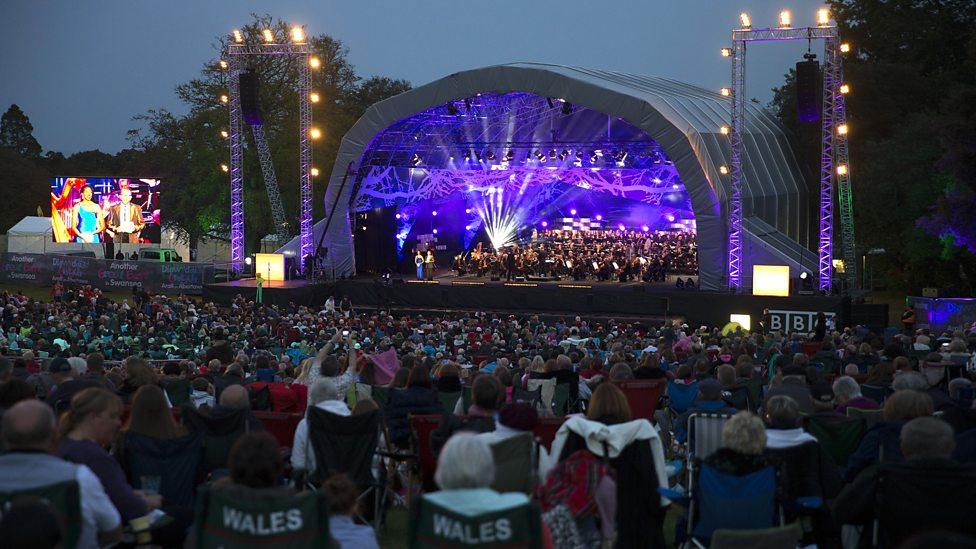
<point>238,36</point>
<point>269,37</point>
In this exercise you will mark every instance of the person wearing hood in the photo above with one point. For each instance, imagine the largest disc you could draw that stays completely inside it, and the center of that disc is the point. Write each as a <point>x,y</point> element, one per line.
<point>324,395</point>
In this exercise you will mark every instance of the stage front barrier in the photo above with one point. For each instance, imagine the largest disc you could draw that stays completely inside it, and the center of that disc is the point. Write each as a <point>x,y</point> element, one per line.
<point>105,274</point>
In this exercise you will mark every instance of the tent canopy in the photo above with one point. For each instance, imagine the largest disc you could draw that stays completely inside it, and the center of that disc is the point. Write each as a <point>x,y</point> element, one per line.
<point>683,120</point>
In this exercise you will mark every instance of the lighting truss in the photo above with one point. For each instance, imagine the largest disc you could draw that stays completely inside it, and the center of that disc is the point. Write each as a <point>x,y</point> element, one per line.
<point>236,55</point>
<point>833,151</point>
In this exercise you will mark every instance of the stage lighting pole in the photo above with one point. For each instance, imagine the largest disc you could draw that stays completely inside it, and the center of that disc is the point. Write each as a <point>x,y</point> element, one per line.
<point>237,52</point>
<point>834,161</point>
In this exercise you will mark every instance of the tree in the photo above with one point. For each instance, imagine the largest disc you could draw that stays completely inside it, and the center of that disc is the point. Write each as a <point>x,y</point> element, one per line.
<point>26,186</point>
<point>187,151</point>
<point>16,133</point>
<point>912,114</point>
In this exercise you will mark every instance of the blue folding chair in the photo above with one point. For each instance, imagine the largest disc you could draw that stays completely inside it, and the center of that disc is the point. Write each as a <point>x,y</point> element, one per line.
<point>682,396</point>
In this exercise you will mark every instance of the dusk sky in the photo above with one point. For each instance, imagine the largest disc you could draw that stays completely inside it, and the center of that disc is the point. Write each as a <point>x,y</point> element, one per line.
<point>81,69</point>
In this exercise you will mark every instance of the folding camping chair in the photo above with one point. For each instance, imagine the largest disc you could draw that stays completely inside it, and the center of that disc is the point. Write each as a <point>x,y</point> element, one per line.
<point>435,526</point>
<point>839,436</point>
<point>516,462</point>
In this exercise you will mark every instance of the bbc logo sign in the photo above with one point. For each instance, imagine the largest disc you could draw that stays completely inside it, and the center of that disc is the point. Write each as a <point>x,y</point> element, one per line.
<point>796,321</point>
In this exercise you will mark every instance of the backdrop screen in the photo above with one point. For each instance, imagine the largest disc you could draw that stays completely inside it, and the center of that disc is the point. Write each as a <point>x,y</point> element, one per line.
<point>105,209</point>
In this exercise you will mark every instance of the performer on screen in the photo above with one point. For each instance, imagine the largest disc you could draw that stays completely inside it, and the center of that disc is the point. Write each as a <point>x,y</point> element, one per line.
<point>88,217</point>
<point>125,219</point>
<point>419,262</point>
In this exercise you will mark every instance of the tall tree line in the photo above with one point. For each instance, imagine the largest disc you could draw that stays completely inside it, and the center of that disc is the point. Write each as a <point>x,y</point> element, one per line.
<point>186,150</point>
<point>912,118</point>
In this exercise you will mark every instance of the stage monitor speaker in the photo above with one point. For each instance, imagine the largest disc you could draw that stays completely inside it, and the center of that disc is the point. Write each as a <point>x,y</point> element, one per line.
<point>808,89</point>
<point>250,102</point>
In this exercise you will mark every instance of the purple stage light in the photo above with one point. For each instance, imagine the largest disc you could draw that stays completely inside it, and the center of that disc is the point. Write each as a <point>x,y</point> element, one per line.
<point>675,186</point>
<point>670,218</point>
<point>645,228</point>
<point>572,212</point>
<point>599,217</point>
<point>435,231</point>
<point>545,224</point>
<point>434,213</point>
<point>621,227</point>
<point>467,210</point>
<point>398,216</point>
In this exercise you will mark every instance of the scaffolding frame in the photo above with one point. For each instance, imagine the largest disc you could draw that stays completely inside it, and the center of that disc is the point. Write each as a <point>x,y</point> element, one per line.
<point>833,152</point>
<point>236,55</point>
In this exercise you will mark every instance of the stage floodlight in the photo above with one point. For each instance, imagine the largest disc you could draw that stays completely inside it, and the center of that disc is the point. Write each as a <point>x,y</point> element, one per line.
<point>726,52</point>
<point>224,168</point>
<point>726,92</point>
<point>297,35</point>
<point>434,213</point>
<point>785,19</point>
<point>314,62</point>
<point>845,89</point>
<point>572,212</point>
<point>224,99</point>
<point>435,231</point>
<point>724,170</point>
<point>315,133</point>
<point>268,36</point>
<point>314,172</point>
<point>842,129</point>
<point>224,134</point>
<point>238,36</point>
<point>544,224</point>
<point>248,261</point>
<point>313,97</point>
<point>842,169</point>
<point>823,17</point>
<point>745,21</point>
<point>223,64</point>
<point>599,217</point>
<point>771,280</point>
<point>416,160</point>
<point>724,130</point>
<point>845,47</point>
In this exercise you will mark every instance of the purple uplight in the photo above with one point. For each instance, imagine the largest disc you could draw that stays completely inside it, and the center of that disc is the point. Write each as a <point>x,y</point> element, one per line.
<point>544,224</point>
<point>645,228</point>
<point>572,212</point>
<point>599,217</point>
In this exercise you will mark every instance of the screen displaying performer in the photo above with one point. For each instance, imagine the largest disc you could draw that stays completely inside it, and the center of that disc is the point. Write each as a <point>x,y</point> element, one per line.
<point>105,209</point>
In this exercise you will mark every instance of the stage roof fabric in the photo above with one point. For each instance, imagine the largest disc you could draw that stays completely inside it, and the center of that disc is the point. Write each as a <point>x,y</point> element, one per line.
<point>684,119</point>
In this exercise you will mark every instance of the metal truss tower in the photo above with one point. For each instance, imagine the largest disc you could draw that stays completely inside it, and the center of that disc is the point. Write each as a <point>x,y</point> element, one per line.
<point>833,152</point>
<point>271,183</point>
<point>237,52</point>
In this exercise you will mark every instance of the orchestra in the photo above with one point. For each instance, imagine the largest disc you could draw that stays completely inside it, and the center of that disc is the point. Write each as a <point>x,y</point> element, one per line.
<point>622,256</point>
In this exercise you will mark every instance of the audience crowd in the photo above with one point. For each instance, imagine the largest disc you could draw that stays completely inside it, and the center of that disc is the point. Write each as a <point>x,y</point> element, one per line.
<point>131,421</point>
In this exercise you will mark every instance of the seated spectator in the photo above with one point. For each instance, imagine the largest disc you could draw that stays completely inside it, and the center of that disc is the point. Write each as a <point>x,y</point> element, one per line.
<point>823,397</point>
<point>880,374</point>
<point>708,400</point>
<point>86,430</point>
<point>343,497</point>
<point>486,394</point>
<point>513,419</point>
<point>202,393</point>
<point>794,385</point>
<point>915,381</point>
<point>448,378</point>
<point>621,371</point>
<point>138,373</point>
<point>151,415</point>
<point>782,418</point>
<point>325,396</point>
<point>232,400</point>
<point>465,472</point>
<point>851,370</point>
<point>418,398</point>
<point>29,434</point>
<point>13,391</point>
<point>743,443</point>
<point>881,442</point>
<point>927,445</point>
<point>847,394</point>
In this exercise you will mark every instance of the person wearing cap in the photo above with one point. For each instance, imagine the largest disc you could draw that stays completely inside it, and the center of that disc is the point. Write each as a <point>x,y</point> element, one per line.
<point>709,400</point>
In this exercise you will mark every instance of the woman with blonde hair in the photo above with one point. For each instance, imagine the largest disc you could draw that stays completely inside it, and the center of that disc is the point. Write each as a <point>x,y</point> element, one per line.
<point>86,429</point>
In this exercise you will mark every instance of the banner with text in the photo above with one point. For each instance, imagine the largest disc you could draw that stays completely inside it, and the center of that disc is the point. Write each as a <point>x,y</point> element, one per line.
<point>106,274</point>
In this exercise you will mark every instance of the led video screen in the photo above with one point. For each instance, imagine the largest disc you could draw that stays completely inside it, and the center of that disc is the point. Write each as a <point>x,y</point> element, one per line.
<point>94,210</point>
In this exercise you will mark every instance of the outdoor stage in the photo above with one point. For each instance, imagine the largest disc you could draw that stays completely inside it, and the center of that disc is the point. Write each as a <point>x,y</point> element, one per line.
<point>273,293</point>
<point>658,301</point>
